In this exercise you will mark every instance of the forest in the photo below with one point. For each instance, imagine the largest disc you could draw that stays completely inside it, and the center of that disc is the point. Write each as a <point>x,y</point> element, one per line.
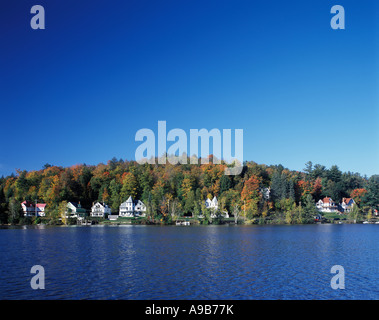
<point>173,191</point>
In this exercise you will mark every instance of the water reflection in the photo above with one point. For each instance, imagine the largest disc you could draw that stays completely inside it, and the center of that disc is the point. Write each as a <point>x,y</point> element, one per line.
<point>204,262</point>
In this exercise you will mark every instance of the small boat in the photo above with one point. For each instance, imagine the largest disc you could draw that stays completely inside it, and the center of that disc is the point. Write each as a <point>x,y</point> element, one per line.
<point>182,223</point>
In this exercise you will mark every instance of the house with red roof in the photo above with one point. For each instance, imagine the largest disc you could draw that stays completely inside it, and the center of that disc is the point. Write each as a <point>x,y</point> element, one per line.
<point>347,205</point>
<point>326,205</point>
<point>31,209</point>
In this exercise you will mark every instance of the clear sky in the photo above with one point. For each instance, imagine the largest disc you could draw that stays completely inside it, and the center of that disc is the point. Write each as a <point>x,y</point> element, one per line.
<point>78,91</point>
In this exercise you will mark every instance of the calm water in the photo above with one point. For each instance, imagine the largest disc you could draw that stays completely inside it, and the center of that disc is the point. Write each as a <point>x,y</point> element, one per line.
<point>205,262</point>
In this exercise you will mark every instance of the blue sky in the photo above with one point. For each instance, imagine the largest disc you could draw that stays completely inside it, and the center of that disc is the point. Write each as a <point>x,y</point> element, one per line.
<point>78,91</point>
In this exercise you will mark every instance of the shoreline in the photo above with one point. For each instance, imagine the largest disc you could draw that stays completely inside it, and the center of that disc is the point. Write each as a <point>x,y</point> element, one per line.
<point>278,218</point>
<point>176,225</point>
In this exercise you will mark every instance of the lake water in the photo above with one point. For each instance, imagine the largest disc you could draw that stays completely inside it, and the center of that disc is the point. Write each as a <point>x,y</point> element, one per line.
<point>197,262</point>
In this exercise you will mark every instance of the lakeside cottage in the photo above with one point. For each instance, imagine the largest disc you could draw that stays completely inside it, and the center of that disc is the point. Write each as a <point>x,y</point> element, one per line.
<point>347,205</point>
<point>75,210</point>
<point>132,208</point>
<point>100,210</point>
<point>211,204</point>
<point>30,209</point>
<point>326,205</point>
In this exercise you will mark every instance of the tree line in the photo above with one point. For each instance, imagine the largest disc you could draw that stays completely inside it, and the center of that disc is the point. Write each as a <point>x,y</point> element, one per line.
<point>171,191</point>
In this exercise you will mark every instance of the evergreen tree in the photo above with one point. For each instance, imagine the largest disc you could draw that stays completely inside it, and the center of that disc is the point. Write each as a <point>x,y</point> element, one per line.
<point>308,170</point>
<point>310,210</point>
<point>334,174</point>
<point>371,198</point>
<point>284,186</point>
<point>276,186</point>
<point>291,193</point>
<point>318,171</point>
<point>225,183</point>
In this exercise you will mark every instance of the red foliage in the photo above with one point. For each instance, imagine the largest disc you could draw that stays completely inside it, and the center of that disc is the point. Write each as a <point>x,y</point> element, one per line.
<point>357,194</point>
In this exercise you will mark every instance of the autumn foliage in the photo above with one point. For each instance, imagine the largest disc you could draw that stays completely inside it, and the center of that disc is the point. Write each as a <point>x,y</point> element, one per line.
<point>358,194</point>
<point>174,190</point>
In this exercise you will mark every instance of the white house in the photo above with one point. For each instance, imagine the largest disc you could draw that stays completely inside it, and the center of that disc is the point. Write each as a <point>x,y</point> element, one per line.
<point>266,193</point>
<point>30,209</point>
<point>131,208</point>
<point>100,210</point>
<point>326,205</point>
<point>74,210</point>
<point>40,209</point>
<point>211,204</point>
<point>347,205</point>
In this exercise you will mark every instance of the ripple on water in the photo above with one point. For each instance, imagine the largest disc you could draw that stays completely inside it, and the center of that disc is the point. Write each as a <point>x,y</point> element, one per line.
<point>215,262</point>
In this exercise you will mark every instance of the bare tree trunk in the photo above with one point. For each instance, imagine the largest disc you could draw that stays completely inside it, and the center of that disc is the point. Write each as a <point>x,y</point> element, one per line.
<point>236,214</point>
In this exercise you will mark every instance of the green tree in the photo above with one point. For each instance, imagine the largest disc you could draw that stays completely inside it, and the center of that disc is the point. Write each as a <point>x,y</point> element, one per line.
<point>276,186</point>
<point>318,171</point>
<point>291,192</point>
<point>206,214</point>
<point>115,197</point>
<point>334,174</point>
<point>289,217</point>
<point>371,198</point>
<point>308,170</point>
<point>355,214</point>
<point>225,184</point>
<point>197,209</point>
<point>22,186</point>
<point>129,186</point>
<point>175,210</point>
<point>369,214</point>
<point>189,202</point>
<point>310,210</point>
<point>14,211</point>
<point>63,211</point>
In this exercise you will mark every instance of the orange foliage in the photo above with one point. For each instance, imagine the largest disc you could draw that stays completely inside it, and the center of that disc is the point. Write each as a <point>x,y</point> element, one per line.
<point>317,188</point>
<point>250,193</point>
<point>305,187</point>
<point>357,194</point>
